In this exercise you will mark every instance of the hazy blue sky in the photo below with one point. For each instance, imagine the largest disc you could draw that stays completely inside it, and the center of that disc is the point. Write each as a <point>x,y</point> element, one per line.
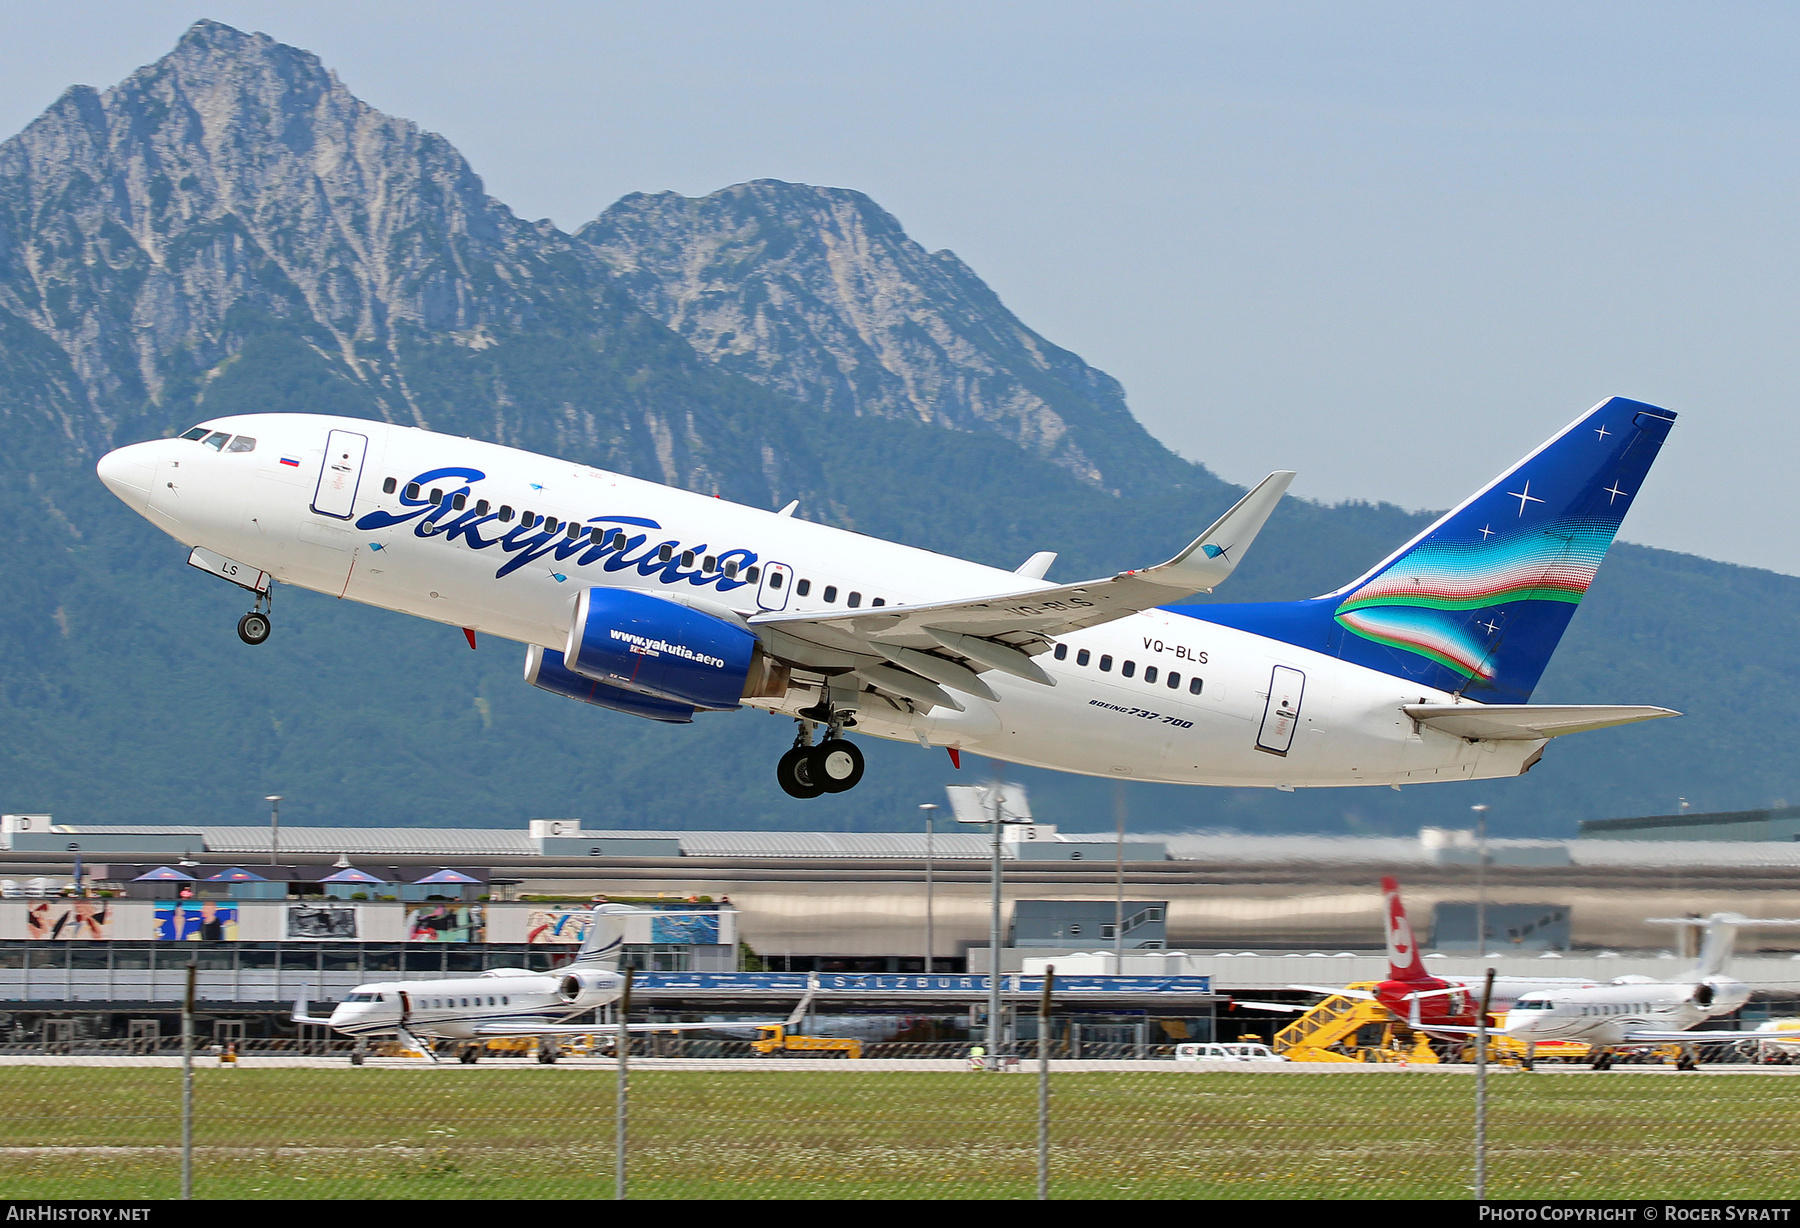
<point>1392,246</point>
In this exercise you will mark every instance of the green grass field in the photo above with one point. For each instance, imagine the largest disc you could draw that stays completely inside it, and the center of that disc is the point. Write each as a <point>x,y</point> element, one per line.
<point>80,1132</point>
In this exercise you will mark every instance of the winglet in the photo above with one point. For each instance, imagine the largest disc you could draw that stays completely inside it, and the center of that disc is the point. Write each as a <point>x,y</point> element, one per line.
<point>1215,553</point>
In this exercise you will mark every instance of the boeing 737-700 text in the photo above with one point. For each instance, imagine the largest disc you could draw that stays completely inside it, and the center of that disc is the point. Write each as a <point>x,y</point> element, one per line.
<point>663,603</point>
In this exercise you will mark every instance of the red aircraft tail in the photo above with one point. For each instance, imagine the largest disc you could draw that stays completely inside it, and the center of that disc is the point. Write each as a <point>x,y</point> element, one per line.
<point>1403,951</point>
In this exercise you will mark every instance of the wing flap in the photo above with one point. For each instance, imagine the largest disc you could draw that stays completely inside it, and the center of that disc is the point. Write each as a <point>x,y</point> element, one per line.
<point>1528,722</point>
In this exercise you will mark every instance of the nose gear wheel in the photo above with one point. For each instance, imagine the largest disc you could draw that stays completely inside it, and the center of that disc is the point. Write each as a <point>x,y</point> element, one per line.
<point>253,628</point>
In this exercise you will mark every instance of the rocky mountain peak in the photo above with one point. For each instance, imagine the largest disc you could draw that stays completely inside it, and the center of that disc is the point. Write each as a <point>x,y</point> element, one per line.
<point>237,173</point>
<point>820,293</point>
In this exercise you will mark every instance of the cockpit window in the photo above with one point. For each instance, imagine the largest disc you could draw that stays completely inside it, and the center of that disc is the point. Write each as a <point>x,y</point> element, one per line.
<point>216,440</point>
<point>1532,1004</point>
<point>241,443</point>
<point>196,433</point>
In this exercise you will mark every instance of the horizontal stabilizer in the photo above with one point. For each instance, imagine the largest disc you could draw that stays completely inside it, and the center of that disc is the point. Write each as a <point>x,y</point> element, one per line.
<point>1329,991</point>
<point>1528,722</point>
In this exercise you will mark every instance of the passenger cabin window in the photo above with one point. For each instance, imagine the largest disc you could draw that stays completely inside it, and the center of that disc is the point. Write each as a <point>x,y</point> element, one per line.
<point>731,570</point>
<point>1194,685</point>
<point>830,593</point>
<point>390,486</point>
<point>752,574</point>
<point>709,564</point>
<point>459,501</point>
<point>437,496</point>
<point>198,432</point>
<point>241,443</point>
<point>1149,673</point>
<point>1083,657</point>
<point>775,578</point>
<point>666,553</point>
<point>1127,669</point>
<point>853,600</point>
<point>1174,680</point>
<point>800,590</point>
<point>506,514</point>
<point>550,524</point>
<point>481,507</point>
<point>573,531</point>
<point>1106,663</point>
<point>527,519</point>
<point>1062,652</point>
<point>687,558</point>
<point>412,490</point>
<point>216,440</point>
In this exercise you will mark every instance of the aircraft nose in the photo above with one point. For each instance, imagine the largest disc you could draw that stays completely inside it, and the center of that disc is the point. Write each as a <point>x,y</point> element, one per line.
<point>128,473</point>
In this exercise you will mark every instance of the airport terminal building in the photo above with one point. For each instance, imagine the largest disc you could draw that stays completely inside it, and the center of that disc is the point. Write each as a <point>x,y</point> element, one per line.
<point>312,911</point>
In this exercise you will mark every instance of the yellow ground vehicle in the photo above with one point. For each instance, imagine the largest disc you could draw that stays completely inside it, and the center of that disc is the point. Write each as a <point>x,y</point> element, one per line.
<point>1346,1029</point>
<point>775,1038</point>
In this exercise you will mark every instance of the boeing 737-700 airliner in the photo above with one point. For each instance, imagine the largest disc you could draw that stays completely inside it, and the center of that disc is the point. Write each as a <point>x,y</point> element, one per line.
<point>664,604</point>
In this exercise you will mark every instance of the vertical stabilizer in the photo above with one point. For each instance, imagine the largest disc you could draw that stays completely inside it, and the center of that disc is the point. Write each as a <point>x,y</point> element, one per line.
<point>1476,603</point>
<point>605,940</point>
<point>1403,951</point>
<point>1717,946</point>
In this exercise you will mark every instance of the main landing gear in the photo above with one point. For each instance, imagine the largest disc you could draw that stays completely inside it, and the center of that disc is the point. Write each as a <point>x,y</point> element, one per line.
<point>832,766</point>
<point>254,627</point>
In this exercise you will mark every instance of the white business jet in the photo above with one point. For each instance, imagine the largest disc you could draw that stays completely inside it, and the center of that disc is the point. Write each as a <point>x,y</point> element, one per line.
<point>503,1002</point>
<point>663,603</point>
<point>1636,1010</point>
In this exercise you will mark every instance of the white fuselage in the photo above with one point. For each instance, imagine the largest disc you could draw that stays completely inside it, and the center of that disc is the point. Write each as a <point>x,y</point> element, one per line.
<point>1602,1016</point>
<point>500,579</point>
<point>456,1008</point>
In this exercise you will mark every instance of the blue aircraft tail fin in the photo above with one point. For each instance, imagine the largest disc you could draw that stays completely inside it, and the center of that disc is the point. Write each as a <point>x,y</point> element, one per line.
<point>1477,602</point>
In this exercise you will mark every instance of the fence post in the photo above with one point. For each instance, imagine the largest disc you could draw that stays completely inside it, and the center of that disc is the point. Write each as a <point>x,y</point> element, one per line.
<point>1043,1047</point>
<point>187,1084</point>
<point>623,1045</point>
<point>1481,1047</point>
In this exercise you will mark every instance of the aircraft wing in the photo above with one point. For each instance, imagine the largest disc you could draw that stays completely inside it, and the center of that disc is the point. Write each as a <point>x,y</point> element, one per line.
<point>300,1015</point>
<point>908,650</point>
<point>1528,722</point>
<point>1645,1036</point>
<point>607,1029</point>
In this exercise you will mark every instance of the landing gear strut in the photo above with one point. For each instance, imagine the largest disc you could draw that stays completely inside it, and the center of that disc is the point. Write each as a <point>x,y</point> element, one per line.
<point>832,766</point>
<point>254,627</point>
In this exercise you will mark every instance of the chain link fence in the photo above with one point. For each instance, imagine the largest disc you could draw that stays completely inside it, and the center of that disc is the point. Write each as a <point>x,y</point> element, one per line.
<point>283,1125</point>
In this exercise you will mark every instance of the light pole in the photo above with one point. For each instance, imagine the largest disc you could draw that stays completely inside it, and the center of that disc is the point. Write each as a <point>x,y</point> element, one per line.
<point>1481,856</point>
<point>930,809</point>
<point>274,801</point>
<point>1119,879</point>
<point>999,805</point>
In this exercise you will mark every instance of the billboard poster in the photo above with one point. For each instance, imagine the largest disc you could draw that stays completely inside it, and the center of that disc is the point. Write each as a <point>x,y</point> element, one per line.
<point>67,920</point>
<point>555,925</point>
<point>320,921</point>
<point>197,921</point>
<point>445,923</point>
<point>702,929</point>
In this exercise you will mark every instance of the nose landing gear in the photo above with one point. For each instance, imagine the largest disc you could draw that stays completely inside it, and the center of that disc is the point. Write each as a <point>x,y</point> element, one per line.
<point>832,766</point>
<point>254,627</point>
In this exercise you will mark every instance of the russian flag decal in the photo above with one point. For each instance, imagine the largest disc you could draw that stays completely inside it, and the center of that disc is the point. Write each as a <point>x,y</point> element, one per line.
<point>289,460</point>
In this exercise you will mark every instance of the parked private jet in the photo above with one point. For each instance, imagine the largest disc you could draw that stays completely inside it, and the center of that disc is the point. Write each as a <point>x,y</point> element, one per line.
<point>1636,1010</point>
<point>503,1002</point>
<point>664,603</point>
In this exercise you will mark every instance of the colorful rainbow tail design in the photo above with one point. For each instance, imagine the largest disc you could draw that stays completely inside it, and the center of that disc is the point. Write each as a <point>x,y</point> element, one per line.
<point>1477,602</point>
